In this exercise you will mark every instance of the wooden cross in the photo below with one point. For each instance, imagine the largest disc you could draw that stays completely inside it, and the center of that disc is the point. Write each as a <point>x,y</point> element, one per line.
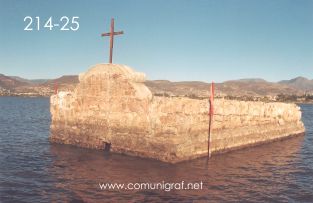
<point>111,34</point>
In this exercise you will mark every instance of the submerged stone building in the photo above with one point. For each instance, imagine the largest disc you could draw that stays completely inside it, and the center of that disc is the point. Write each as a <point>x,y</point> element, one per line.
<point>111,106</point>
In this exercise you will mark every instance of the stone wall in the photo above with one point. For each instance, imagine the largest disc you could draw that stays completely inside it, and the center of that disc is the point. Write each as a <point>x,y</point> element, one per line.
<point>111,105</point>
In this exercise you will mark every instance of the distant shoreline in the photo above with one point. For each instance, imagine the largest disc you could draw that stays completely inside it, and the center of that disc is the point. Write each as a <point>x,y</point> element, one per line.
<point>48,96</point>
<point>33,96</point>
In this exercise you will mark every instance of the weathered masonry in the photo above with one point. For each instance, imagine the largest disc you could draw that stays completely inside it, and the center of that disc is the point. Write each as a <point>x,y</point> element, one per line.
<point>111,106</point>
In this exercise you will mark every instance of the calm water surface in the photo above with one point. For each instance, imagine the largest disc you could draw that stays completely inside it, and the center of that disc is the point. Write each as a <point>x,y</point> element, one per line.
<point>33,170</point>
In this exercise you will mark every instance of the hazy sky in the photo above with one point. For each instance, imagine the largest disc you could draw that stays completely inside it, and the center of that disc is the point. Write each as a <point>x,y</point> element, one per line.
<point>167,39</point>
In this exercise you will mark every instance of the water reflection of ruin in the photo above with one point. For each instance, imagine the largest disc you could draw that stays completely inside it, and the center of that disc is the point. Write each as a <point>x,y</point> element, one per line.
<point>264,170</point>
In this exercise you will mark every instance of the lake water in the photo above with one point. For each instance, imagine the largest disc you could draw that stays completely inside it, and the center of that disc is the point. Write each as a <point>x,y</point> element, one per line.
<point>33,170</point>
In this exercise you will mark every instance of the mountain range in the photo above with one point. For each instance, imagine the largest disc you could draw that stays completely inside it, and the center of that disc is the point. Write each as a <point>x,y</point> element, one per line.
<point>14,85</point>
<point>241,87</point>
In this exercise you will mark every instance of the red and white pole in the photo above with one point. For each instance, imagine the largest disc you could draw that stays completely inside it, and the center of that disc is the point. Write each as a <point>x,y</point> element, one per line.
<point>55,88</point>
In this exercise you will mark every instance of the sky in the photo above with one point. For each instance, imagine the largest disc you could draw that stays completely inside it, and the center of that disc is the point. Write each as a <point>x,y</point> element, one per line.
<point>177,40</point>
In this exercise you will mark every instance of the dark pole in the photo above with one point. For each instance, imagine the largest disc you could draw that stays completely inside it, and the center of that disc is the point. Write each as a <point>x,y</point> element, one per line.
<point>211,113</point>
<point>111,39</point>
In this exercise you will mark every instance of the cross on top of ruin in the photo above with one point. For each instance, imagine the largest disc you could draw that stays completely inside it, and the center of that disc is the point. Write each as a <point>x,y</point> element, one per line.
<point>111,34</point>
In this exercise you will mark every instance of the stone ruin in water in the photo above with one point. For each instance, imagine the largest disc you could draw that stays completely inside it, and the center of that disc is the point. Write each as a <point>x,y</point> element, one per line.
<point>111,106</point>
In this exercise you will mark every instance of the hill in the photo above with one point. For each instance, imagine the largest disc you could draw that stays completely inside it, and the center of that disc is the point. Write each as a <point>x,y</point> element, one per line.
<point>300,83</point>
<point>14,85</point>
<point>10,83</point>
<point>256,88</point>
<point>66,79</point>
